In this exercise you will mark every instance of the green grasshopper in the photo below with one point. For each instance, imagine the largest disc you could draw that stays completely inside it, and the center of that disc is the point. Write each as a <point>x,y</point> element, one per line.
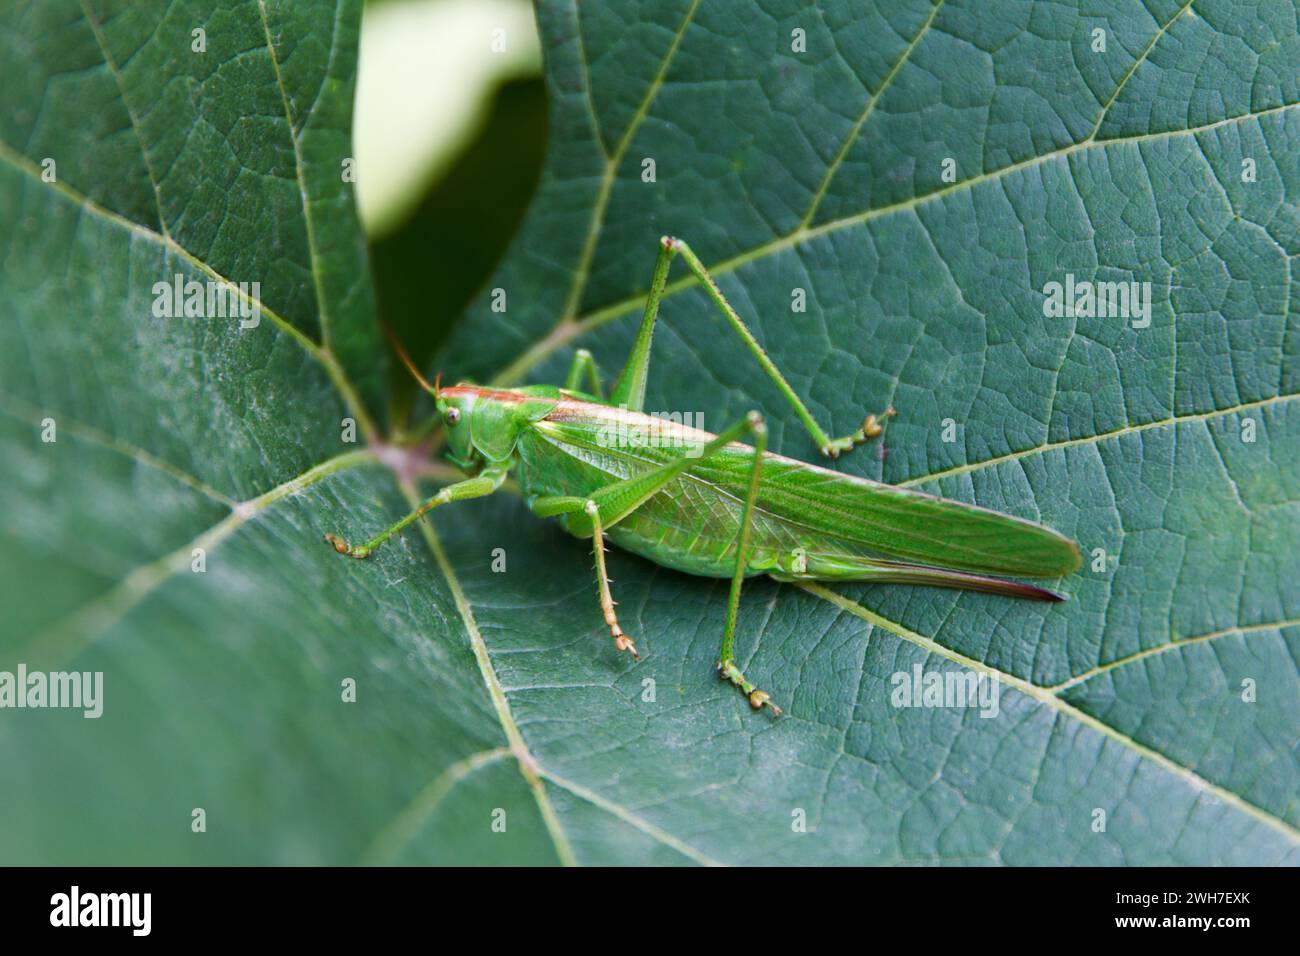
<point>709,504</point>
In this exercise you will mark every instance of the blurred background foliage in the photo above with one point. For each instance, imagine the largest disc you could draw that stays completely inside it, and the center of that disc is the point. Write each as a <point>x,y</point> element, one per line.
<point>450,132</point>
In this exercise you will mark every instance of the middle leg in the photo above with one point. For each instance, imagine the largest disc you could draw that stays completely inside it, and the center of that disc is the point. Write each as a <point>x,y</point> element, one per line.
<point>584,365</point>
<point>607,506</point>
<point>727,668</point>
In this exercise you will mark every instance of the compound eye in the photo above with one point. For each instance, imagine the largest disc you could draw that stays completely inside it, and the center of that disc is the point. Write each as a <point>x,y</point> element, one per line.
<point>452,415</point>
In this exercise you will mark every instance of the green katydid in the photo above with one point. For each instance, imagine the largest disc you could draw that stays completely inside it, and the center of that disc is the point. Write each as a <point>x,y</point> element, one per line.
<point>709,504</point>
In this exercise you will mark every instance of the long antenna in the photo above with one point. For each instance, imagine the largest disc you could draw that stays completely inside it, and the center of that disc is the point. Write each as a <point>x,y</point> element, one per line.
<point>400,349</point>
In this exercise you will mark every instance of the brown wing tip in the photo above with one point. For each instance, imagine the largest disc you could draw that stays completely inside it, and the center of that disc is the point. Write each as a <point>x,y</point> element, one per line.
<point>963,580</point>
<point>1011,589</point>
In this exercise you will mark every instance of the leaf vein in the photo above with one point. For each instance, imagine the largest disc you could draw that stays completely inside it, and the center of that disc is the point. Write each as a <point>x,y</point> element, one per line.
<point>1095,439</point>
<point>574,300</point>
<point>313,248</point>
<point>1128,75</point>
<point>126,104</point>
<point>1178,644</point>
<point>1048,698</point>
<point>571,327</point>
<point>322,355</point>
<point>528,765</point>
<point>64,639</point>
<point>870,108</point>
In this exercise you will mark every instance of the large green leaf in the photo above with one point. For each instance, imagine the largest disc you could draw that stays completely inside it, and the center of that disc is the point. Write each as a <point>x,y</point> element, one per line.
<point>1164,693</point>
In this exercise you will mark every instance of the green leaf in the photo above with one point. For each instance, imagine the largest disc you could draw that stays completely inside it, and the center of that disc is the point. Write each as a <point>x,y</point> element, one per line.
<point>1159,701</point>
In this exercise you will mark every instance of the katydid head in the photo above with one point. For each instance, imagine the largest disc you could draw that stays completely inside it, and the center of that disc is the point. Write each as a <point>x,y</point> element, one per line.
<point>456,406</point>
<point>484,424</point>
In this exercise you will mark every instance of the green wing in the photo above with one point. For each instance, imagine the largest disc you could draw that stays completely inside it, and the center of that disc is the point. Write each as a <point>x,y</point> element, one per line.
<point>898,523</point>
<point>850,528</point>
